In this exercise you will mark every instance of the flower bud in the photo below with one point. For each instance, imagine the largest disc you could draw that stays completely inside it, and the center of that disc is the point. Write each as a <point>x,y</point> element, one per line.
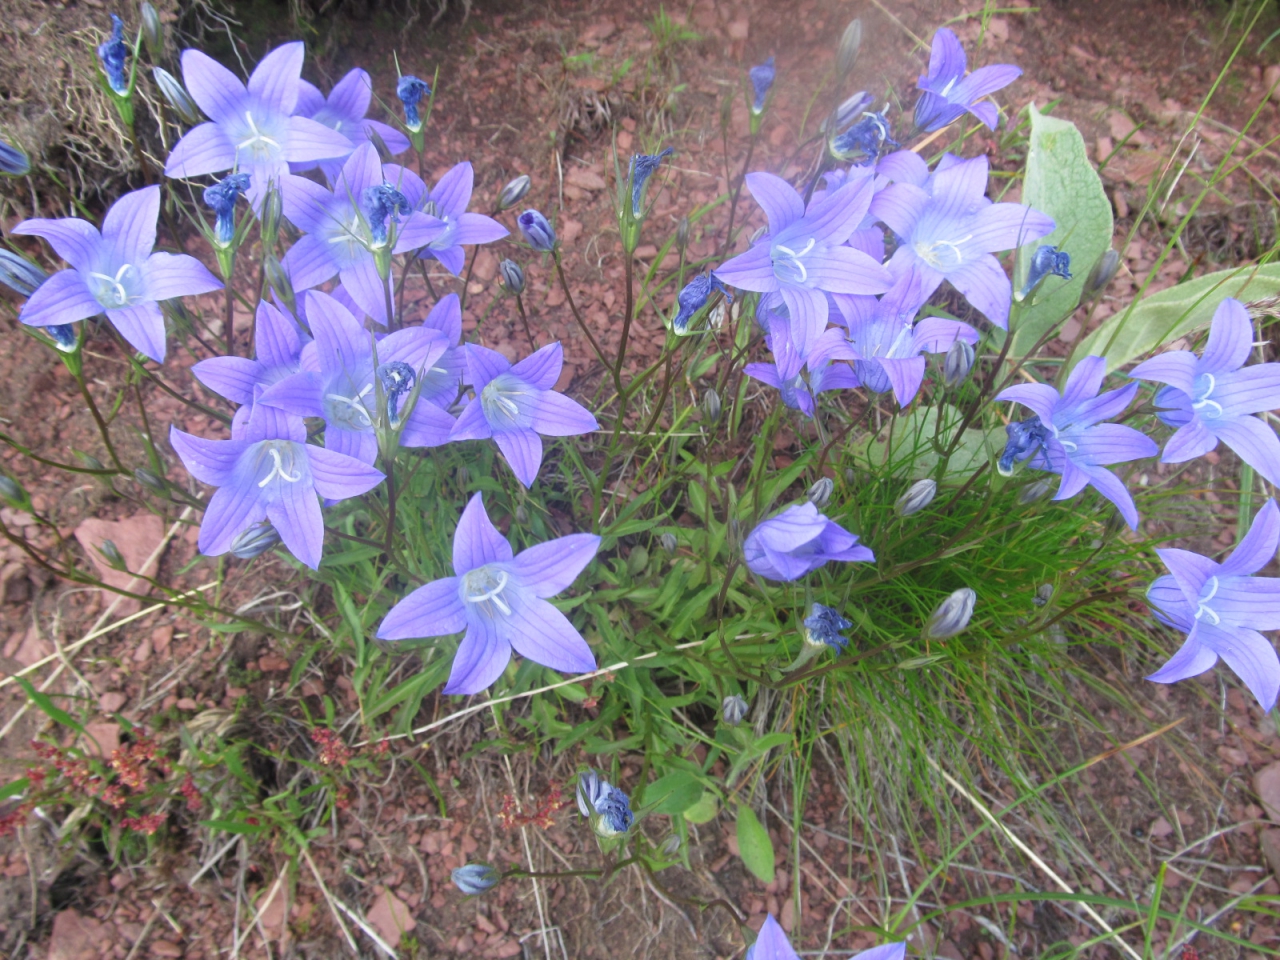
<point>952,615</point>
<point>1102,274</point>
<point>512,277</point>
<point>1043,595</point>
<point>820,493</point>
<point>711,404</point>
<point>850,45</point>
<point>537,231</point>
<point>90,461</point>
<point>152,30</point>
<point>111,553</point>
<point>762,77</point>
<point>669,542</point>
<point>670,846</point>
<point>682,235</point>
<point>279,281</point>
<point>733,709</point>
<point>150,480</point>
<point>475,878</point>
<point>958,363</point>
<point>1034,491</point>
<point>19,274</point>
<point>11,491</point>
<point>176,96</point>
<point>65,337</point>
<point>522,515</point>
<point>514,191</point>
<point>918,496</point>
<point>255,541</point>
<point>13,160</point>
<point>272,209</point>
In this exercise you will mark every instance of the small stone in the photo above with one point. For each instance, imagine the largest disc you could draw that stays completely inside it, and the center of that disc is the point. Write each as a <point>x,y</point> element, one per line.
<point>186,703</point>
<point>1160,828</point>
<point>739,29</point>
<point>112,701</point>
<point>161,637</point>
<point>143,653</point>
<point>1267,784</point>
<point>102,738</point>
<point>390,917</point>
<point>272,663</point>
<point>165,948</point>
<point>74,937</point>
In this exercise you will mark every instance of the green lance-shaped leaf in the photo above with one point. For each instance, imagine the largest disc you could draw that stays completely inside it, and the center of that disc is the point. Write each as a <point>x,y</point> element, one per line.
<point>1062,182</point>
<point>1165,316</point>
<point>754,845</point>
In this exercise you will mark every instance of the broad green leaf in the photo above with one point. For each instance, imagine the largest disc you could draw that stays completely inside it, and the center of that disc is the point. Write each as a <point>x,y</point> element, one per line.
<point>704,810</point>
<point>1062,182</point>
<point>911,452</point>
<point>674,793</point>
<point>754,845</point>
<point>1165,316</point>
<point>14,788</point>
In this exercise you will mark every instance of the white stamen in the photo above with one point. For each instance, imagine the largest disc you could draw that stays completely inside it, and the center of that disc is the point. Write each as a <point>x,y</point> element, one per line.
<point>1204,400</point>
<point>354,403</point>
<point>1202,606</point>
<point>493,594</point>
<point>257,135</point>
<point>794,257</point>
<point>121,295</point>
<point>277,470</point>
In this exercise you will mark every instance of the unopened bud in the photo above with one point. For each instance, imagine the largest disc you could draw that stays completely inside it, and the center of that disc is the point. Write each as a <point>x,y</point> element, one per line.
<point>958,363</point>
<point>111,553</point>
<point>150,480</point>
<point>537,230</point>
<point>918,496</point>
<point>820,492</point>
<point>152,30</point>
<point>1034,491</point>
<point>14,160</point>
<point>384,152</point>
<point>682,235</point>
<point>733,709</point>
<point>711,404</point>
<point>850,45</point>
<point>671,846</point>
<point>522,515</point>
<point>1102,274</point>
<point>90,461</point>
<point>514,191</point>
<point>11,491</point>
<point>669,542</point>
<point>272,208</point>
<point>474,879</point>
<point>176,96</point>
<point>19,274</point>
<point>279,281</point>
<point>1043,595</point>
<point>952,615</point>
<point>512,277</point>
<point>464,476</point>
<point>255,541</point>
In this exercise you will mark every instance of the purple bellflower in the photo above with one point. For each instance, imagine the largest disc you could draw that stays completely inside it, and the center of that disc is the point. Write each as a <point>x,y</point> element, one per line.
<point>948,230</point>
<point>1067,437</point>
<point>887,341</point>
<point>799,390</point>
<point>1214,397</point>
<point>344,111</point>
<point>1221,607</point>
<point>267,471</point>
<point>251,128</point>
<point>948,94</point>
<point>694,297</point>
<point>772,944</point>
<point>500,600</point>
<point>221,199</point>
<point>337,382</point>
<point>803,256</point>
<point>346,227</point>
<point>797,541</point>
<point>277,343</point>
<point>762,77</point>
<point>449,225</point>
<point>114,272</point>
<point>112,54</point>
<point>514,404</point>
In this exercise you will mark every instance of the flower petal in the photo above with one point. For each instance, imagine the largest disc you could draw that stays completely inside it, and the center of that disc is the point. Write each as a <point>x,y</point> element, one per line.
<point>1230,338</point>
<point>477,228</point>
<point>1169,606</point>
<point>427,426</point>
<point>541,633</point>
<point>542,367</point>
<point>903,166</point>
<point>772,943</point>
<point>297,518</point>
<point>232,378</point>
<point>1250,655</point>
<point>1004,226</point>
<point>946,60</point>
<point>341,342</point>
<point>452,192</point>
<point>209,461</point>
<point>1188,442</point>
<point>367,289</point>
<point>906,376</point>
<point>1190,571</point>
<point>360,171</point>
<point>849,271</point>
<point>1192,659</point>
<point>310,262</point>
<point>752,270</point>
<point>307,205</point>
<point>1258,548</point>
<point>483,365</point>
<point>899,206</point>
<point>984,81</point>
<point>1108,443</point>
<point>63,298</point>
<point>1252,602</point>
<point>350,96</point>
<point>482,656</point>
<point>172,275</point>
<point>202,150</point>
<point>987,288</point>
<point>274,81</point>
<point>1176,368</point>
<point>276,338</point>
<point>1040,398</point>
<point>129,228</point>
<point>471,424</point>
<point>360,445</point>
<point>477,541</point>
<point>550,567</point>
<point>338,477</point>
<point>523,451</point>
<point>231,511</point>
<point>143,326</point>
<point>809,311</point>
<point>832,218</point>
<point>309,141</point>
<point>215,89</point>
<point>1254,389</point>
<point>777,198</point>
<point>1254,442</point>
<point>74,240</point>
<point>433,610</point>
<point>1113,488</point>
<point>559,416</point>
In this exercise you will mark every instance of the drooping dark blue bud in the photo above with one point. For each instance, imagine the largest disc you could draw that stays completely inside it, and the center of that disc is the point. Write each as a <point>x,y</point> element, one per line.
<point>13,161</point>
<point>694,297</point>
<point>512,277</point>
<point>1046,260</point>
<point>65,337</point>
<point>1025,438</point>
<point>411,90</point>
<point>537,231</point>
<point>762,78</point>
<point>824,625</point>
<point>221,199</point>
<point>474,879</point>
<point>397,380</point>
<point>19,274</point>
<point>255,541</point>
<point>382,203</point>
<point>514,191</point>
<point>643,166</point>
<point>113,53</point>
<point>863,143</point>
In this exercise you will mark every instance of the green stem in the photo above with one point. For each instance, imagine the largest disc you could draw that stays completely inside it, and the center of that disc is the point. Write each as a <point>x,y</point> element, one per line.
<point>524,319</point>
<point>97,418</point>
<point>573,307</point>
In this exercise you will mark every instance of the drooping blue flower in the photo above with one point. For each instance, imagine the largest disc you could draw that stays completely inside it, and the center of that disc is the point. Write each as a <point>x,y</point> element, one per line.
<point>948,230</point>
<point>863,142</point>
<point>733,709</point>
<point>797,541</point>
<point>762,77</point>
<point>772,944</point>
<point>1213,397</point>
<point>694,297</point>
<point>1025,437</point>
<point>514,404</point>
<point>825,626</point>
<point>537,230</point>
<point>411,90</point>
<point>112,54</point>
<point>267,471</point>
<point>344,111</point>
<point>474,879</point>
<point>277,344</point>
<point>340,385</point>
<point>800,380</point>
<point>452,226</point>
<point>887,341</point>
<point>500,600</point>
<point>114,272</point>
<point>948,94</point>
<point>643,166</point>
<point>610,805</point>
<point>1222,607</point>
<point>221,199</point>
<point>383,204</point>
<point>346,227</point>
<point>803,256</point>
<point>252,128</point>
<point>14,161</point>
<point>1046,260</point>
<point>1071,438</point>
